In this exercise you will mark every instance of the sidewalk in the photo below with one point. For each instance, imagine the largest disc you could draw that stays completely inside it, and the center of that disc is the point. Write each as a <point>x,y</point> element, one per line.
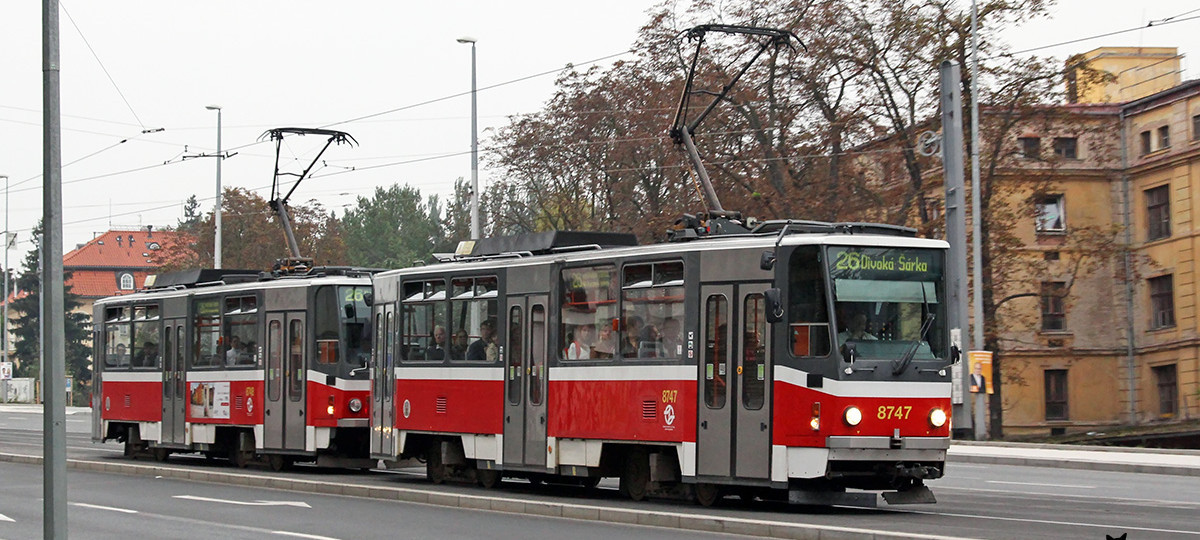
<point>1096,458</point>
<point>28,408</point>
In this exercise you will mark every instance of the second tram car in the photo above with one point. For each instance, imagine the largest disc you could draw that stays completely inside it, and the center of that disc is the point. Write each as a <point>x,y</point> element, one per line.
<point>237,365</point>
<point>796,362</point>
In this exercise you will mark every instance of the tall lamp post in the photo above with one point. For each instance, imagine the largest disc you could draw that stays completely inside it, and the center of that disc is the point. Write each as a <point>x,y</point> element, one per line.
<point>217,208</point>
<point>474,146</point>
<point>4,337</point>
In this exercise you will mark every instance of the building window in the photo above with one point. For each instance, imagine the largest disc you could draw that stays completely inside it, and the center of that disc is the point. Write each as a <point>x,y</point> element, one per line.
<point>1144,137</point>
<point>1164,137</point>
<point>126,282</point>
<point>1162,302</point>
<point>1030,147</point>
<point>1158,213</point>
<point>1196,127</point>
<point>1168,390</point>
<point>1056,394</point>
<point>1050,217</point>
<point>1054,312</point>
<point>1066,147</point>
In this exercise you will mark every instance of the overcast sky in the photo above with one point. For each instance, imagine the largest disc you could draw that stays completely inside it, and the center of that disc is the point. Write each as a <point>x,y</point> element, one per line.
<point>129,66</point>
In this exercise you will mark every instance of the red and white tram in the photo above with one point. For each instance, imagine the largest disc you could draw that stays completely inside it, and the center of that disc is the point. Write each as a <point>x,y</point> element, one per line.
<point>237,365</point>
<point>798,360</point>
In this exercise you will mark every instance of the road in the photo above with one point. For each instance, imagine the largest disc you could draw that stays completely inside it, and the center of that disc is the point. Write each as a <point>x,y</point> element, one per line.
<point>975,500</point>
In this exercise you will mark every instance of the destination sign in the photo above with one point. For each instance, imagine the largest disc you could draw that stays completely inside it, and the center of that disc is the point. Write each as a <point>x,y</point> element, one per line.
<point>871,263</point>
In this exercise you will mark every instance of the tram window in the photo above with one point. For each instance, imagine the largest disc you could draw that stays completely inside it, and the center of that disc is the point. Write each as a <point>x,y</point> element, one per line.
<point>326,316</point>
<point>207,349</point>
<point>716,350</point>
<point>145,340</point>
<point>589,302</point>
<point>807,310</point>
<point>389,351</point>
<point>116,336</point>
<point>295,375</point>
<point>170,364</point>
<point>537,354</point>
<point>425,337</point>
<point>241,332</point>
<point>651,310</point>
<point>274,360</point>
<point>355,317</point>
<point>754,352</point>
<point>472,303</point>
<point>515,354</point>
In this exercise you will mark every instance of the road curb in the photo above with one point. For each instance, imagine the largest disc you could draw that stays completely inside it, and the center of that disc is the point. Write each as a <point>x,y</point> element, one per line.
<point>718,524</point>
<point>1144,468</point>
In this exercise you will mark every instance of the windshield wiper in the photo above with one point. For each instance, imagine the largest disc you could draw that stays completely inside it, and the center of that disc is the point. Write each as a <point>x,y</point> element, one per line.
<point>899,364</point>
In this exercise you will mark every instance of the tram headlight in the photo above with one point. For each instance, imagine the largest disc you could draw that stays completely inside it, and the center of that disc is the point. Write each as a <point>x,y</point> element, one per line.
<point>816,416</point>
<point>937,418</point>
<point>853,416</point>
<point>330,408</point>
<point>355,405</point>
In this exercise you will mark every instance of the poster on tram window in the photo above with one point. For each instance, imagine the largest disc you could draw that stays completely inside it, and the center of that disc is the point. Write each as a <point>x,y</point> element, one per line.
<point>209,399</point>
<point>981,371</point>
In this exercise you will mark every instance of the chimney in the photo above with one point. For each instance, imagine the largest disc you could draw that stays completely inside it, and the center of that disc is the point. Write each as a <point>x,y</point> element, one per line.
<point>149,231</point>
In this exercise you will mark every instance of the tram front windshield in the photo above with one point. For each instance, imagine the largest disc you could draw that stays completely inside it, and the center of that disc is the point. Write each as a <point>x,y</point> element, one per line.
<point>355,319</point>
<point>888,301</point>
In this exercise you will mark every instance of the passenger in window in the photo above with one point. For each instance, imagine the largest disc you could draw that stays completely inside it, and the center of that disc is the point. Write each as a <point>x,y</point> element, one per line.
<point>672,338</point>
<point>632,335</point>
<point>248,355</point>
<point>580,347</point>
<point>235,347</point>
<point>606,343</point>
<point>437,349</point>
<point>648,344</point>
<point>856,328</point>
<point>485,347</point>
<point>458,345</point>
<point>148,356</point>
<point>122,357</point>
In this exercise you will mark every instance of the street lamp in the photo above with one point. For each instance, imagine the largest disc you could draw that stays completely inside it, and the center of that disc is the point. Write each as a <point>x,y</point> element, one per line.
<point>217,208</point>
<point>474,146</point>
<point>4,338</point>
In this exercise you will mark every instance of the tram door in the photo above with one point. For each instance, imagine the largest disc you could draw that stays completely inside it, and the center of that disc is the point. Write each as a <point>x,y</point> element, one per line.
<point>733,438</point>
<point>713,411</point>
<point>514,383</point>
<point>174,383</point>
<point>284,414</point>
<point>383,381</point>
<point>752,444</point>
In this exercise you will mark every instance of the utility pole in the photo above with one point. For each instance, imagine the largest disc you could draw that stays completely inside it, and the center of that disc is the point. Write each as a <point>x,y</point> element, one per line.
<point>977,229</point>
<point>956,235</point>
<point>474,146</point>
<point>54,414</point>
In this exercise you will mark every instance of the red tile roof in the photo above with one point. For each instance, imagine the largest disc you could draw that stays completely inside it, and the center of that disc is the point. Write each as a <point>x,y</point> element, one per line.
<point>101,283</point>
<point>115,249</point>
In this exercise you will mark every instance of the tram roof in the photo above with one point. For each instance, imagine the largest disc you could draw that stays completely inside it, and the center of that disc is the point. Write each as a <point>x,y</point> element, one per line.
<point>712,243</point>
<point>234,281</point>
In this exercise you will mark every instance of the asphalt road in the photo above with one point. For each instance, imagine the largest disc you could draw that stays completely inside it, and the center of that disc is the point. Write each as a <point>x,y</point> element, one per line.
<point>975,500</point>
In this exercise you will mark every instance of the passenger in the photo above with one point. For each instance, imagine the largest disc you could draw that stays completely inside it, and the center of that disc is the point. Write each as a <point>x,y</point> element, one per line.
<point>121,358</point>
<point>437,350</point>
<point>235,347</point>
<point>856,328</point>
<point>148,356</point>
<point>648,344</point>
<point>631,336</point>
<point>485,347</point>
<point>672,338</point>
<point>458,345</point>
<point>606,344</point>
<point>580,347</point>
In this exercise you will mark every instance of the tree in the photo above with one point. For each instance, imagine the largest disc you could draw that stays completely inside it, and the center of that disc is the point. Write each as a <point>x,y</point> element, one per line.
<point>27,324</point>
<point>393,229</point>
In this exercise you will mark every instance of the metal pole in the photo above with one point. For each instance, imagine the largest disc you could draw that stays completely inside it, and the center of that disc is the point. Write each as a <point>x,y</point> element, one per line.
<point>54,451</point>
<point>4,338</point>
<point>475,233</point>
<point>217,208</point>
<point>976,213</point>
<point>956,234</point>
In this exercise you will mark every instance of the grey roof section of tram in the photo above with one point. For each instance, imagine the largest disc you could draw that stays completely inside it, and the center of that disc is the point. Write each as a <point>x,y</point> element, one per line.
<point>270,283</point>
<point>652,250</point>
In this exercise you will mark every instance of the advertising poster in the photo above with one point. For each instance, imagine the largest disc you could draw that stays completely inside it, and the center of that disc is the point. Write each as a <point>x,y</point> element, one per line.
<point>209,399</point>
<point>981,371</point>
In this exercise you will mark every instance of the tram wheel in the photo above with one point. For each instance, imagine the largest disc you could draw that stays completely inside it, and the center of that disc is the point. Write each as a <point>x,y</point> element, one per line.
<point>435,471</point>
<point>161,454</point>
<point>635,478</point>
<point>279,462</point>
<point>240,458</point>
<point>707,494</point>
<point>487,478</point>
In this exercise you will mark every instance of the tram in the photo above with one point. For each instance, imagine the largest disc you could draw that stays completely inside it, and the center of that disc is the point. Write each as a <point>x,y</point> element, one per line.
<point>237,365</point>
<point>795,360</point>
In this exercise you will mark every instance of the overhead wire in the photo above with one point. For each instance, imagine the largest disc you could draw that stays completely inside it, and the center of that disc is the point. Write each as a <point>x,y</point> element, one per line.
<point>101,63</point>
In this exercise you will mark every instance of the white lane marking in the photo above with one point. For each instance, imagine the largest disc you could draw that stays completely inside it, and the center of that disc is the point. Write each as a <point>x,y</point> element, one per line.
<point>302,535</point>
<point>6,518</point>
<point>1054,522</point>
<point>1040,485</point>
<point>298,504</point>
<point>1110,500</point>
<point>109,508</point>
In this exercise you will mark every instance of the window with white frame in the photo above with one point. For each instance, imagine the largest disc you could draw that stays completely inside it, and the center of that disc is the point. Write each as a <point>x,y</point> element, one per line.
<point>126,282</point>
<point>1050,215</point>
